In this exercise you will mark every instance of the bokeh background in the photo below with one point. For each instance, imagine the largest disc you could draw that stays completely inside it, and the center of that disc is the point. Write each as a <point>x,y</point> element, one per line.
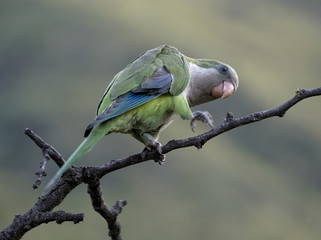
<point>260,181</point>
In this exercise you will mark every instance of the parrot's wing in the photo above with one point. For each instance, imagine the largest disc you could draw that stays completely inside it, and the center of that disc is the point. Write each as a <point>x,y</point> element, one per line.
<point>153,87</point>
<point>136,72</point>
<point>153,73</point>
<point>144,67</point>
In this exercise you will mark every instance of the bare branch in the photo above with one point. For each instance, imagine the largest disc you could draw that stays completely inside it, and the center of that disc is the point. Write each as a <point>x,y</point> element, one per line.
<point>45,147</point>
<point>109,214</point>
<point>198,141</point>
<point>31,219</point>
<point>77,175</point>
<point>42,173</point>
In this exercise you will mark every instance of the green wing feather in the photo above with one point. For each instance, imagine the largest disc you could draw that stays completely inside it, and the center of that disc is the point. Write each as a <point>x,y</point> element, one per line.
<point>144,67</point>
<point>177,65</point>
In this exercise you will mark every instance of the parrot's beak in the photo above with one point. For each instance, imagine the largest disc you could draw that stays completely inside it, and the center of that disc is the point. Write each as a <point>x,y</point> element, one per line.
<point>224,90</point>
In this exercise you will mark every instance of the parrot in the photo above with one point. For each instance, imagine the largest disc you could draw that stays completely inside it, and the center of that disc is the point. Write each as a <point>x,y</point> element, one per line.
<point>147,95</point>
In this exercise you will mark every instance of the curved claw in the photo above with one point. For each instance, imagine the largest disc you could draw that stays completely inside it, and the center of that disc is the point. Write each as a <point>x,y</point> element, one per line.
<point>205,117</point>
<point>151,144</point>
<point>160,158</point>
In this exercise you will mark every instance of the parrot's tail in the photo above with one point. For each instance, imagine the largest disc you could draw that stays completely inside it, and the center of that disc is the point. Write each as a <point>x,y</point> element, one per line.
<point>82,149</point>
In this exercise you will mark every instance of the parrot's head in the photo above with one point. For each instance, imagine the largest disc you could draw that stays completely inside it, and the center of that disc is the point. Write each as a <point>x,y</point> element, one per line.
<point>210,80</point>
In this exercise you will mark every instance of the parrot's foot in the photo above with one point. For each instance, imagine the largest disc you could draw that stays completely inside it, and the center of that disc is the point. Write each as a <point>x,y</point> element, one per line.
<point>151,144</point>
<point>159,158</point>
<point>205,117</point>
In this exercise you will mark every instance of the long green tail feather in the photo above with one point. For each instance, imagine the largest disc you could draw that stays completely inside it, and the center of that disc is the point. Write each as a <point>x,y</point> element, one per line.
<point>82,149</point>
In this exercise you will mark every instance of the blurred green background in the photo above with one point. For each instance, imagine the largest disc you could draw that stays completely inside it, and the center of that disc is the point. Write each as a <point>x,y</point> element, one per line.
<point>260,181</point>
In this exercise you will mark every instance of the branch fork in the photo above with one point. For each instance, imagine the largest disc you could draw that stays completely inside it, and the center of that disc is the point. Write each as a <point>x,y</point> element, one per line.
<point>110,214</point>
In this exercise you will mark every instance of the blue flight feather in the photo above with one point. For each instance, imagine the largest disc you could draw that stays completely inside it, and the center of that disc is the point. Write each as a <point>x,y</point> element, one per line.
<point>122,104</point>
<point>150,89</point>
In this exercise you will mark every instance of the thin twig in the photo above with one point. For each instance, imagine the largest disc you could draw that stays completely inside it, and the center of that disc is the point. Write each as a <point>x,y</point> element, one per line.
<point>42,173</point>
<point>45,147</point>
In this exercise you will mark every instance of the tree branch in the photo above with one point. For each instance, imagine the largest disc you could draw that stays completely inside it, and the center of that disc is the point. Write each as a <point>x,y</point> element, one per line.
<point>31,219</point>
<point>109,214</point>
<point>42,173</point>
<point>45,147</point>
<point>198,141</point>
<point>91,175</point>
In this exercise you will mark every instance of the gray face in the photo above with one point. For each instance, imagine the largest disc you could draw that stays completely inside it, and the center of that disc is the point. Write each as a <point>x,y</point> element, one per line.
<point>210,83</point>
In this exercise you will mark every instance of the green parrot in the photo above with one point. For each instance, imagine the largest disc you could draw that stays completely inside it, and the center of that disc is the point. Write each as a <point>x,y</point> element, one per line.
<point>145,97</point>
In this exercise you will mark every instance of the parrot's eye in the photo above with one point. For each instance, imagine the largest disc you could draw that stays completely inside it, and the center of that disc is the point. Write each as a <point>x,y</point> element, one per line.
<point>223,69</point>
